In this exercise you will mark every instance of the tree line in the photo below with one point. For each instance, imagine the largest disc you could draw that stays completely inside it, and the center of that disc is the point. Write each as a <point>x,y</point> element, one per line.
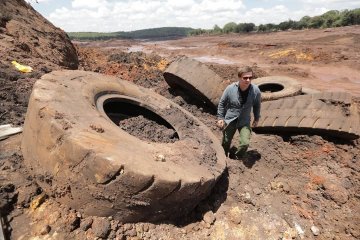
<point>333,18</point>
<point>153,33</point>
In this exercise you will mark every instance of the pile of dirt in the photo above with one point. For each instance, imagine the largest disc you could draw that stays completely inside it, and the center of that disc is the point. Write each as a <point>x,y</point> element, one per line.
<point>138,67</point>
<point>148,130</point>
<point>28,38</point>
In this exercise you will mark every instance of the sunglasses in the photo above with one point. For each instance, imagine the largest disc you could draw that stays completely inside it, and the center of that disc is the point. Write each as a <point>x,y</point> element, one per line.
<point>245,78</point>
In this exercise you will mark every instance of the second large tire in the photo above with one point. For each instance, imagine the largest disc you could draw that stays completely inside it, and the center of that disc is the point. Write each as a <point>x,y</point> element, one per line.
<point>197,79</point>
<point>87,162</point>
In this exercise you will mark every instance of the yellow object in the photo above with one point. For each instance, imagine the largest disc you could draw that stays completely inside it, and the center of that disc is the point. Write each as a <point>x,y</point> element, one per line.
<point>292,52</point>
<point>22,68</point>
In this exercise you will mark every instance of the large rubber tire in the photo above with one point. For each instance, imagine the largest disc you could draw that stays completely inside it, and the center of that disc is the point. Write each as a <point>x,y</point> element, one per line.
<point>87,162</point>
<point>324,113</point>
<point>275,87</point>
<point>196,78</point>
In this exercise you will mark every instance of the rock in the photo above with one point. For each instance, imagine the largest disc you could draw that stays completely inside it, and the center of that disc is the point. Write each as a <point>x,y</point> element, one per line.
<point>86,224</point>
<point>131,233</point>
<point>120,236</point>
<point>286,188</point>
<point>299,230</point>
<point>235,215</point>
<point>257,191</point>
<point>127,227</point>
<point>209,217</point>
<point>289,234</point>
<point>101,227</point>
<point>335,192</point>
<point>276,185</point>
<point>247,199</point>
<point>315,230</point>
<point>160,158</point>
<point>151,226</point>
<point>72,221</point>
<point>112,235</point>
<point>139,228</point>
<point>38,201</point>
<point>54,217</point>
<point>45,230</point>
<point>114,225</point>
<point>146,227</point>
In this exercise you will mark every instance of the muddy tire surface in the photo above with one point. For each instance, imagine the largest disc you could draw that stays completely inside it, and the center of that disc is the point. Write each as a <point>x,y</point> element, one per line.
<point>197,79</point>
<point>275,87</point>
<point>81,157</point>
<point>325,113</point>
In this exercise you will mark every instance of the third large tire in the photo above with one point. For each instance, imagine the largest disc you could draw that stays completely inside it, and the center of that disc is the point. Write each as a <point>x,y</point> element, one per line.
<point>325,113</point>
<point>275,87</point>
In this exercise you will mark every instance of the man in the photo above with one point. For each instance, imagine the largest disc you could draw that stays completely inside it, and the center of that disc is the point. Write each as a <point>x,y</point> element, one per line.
<point>234,111</point>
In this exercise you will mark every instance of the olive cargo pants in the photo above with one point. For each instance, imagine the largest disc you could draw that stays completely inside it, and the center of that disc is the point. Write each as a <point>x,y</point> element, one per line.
<point>228,134</point>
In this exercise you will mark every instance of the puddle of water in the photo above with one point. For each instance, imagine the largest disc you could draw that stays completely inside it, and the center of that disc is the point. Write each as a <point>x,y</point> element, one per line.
<point>135,48</point>
<point>178,48</point>
<point>213,59</point>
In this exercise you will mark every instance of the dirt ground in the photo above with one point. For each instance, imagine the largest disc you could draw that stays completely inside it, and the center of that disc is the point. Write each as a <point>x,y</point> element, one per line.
<point>288,187</point>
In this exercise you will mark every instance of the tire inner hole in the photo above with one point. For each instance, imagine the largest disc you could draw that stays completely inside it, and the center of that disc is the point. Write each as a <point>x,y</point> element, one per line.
<point>270,87</point>
<point>139,122</point>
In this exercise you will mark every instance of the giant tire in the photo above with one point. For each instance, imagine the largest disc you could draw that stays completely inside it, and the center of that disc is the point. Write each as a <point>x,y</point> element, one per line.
<point>196,78</point>
<point>275,87</point>
<point>325,113</point>
<point>88,163</point>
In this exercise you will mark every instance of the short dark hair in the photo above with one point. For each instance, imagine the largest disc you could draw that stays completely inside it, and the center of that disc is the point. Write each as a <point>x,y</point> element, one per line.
<point>243,70</point>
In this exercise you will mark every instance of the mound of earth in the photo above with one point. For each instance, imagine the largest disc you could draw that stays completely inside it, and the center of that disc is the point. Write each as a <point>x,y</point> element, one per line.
<point>30,39</point>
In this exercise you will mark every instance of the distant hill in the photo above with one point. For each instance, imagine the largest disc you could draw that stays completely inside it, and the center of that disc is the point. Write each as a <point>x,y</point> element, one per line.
<point>152,33</point>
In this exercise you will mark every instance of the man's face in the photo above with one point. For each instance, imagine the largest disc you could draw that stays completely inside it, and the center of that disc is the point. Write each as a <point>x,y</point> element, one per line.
<point>245,79</point>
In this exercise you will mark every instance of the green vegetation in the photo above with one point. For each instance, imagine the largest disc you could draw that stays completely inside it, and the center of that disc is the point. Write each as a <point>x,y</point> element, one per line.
<point>329,19</point>
<point>165,32</point>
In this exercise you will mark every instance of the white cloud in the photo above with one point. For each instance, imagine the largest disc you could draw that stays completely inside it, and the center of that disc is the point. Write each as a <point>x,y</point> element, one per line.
<point>181,5</point>
<point>139,14</point>
<point>275,14</point>
<point>88,3</point>
<point>333,4</point>
<point>127,15</point>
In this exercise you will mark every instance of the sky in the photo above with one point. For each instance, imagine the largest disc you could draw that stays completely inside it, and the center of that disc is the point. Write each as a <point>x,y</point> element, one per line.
<point>127,15</point>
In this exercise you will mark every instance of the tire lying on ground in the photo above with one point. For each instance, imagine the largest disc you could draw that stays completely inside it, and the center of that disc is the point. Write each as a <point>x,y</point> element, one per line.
<point>275,87</point>
<point>325,113</point>
<point>81,157</point>
<point>196,78</point>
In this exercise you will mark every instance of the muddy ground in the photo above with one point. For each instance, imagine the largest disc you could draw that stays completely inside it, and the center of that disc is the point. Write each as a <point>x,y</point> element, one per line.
<point>288,187</point>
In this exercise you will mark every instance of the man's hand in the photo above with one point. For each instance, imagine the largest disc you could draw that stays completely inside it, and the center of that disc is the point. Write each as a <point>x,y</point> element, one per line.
<point>255,123</point>
<point>220,124</point>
